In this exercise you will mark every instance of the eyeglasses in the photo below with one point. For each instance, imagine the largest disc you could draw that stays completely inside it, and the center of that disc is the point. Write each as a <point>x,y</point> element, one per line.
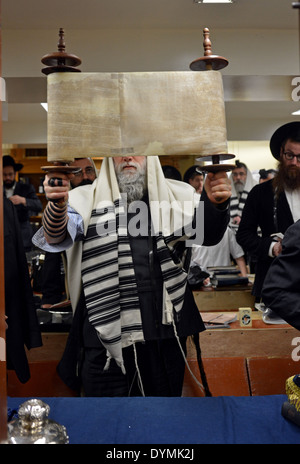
<point>290,156</point>
<point>239,174</point>
<point>88,171</point>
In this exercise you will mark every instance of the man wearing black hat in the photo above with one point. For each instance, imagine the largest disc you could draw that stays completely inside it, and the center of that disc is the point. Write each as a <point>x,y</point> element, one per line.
<point>23,196</point>
<point>281,289</point>
<point>274,205</point>
<point>195,177</point>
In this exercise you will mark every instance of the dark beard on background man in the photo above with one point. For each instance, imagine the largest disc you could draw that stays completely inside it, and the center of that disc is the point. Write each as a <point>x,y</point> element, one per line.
<point>288,176</point>
<point>8,184</point>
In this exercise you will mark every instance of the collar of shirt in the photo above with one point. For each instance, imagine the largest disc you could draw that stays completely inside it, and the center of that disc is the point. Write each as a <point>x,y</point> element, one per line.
<point>293,198</point>
<point>9,192</point>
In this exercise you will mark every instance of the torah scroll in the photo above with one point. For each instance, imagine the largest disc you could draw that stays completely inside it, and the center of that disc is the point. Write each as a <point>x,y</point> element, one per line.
<point>145,113</point>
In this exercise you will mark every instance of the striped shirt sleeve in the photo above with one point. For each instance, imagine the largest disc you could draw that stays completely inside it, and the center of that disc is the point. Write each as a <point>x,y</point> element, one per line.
<point>75,233</point>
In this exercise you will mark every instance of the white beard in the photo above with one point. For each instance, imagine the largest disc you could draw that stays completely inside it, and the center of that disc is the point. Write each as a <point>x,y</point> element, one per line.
<point>132,184</point>
<point>239,187</point>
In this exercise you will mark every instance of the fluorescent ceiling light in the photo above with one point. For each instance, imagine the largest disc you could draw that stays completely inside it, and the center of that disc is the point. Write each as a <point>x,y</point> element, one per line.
<point>45,106</point>
<point>213,1</point>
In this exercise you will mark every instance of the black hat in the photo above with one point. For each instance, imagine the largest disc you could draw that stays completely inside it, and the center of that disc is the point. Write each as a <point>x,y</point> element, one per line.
<point>291,130</point>
<point>170,172</point>
<point>9,161</point>
<point>192,172</point>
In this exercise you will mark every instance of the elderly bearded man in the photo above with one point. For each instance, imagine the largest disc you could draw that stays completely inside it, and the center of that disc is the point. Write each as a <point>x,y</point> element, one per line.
<point>242,182</point>
<point>134,310</point>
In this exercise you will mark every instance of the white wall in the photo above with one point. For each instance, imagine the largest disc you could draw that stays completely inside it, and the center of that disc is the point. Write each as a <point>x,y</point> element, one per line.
<point>250,52</point>
<point>255,154</point>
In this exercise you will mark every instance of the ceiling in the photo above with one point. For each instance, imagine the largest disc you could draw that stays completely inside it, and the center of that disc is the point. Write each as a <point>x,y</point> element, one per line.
<point>95,14</point>
<point>245,100</point>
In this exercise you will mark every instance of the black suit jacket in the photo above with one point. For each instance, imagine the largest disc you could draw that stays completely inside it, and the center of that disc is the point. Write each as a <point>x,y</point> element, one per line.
<point>259,212</point>
<point>281,290</point>
<point>23,329</point>
<point>33,206</point>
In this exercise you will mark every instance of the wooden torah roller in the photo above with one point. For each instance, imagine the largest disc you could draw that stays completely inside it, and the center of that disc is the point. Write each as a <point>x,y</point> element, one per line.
<point>63,168</point>
<point>61,61</point>
<point>208,61</point>
<point>216,166</point>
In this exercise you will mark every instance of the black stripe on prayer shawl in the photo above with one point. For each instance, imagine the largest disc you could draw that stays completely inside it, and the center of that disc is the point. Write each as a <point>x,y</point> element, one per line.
<point>242,203</point>
<point>125,290</point>
<point>174,277</point>
<point>130,328</point>
<point>98,212</point>
<point>96,264</point>
<point>100,279</point>
<point>105,319</point>
<point>97,251</point>
<point>107,295</point>
<point>108,302</point>
<point>104,229</point>
<point>97,267</point>
<point>237,205</point>
<point>112,340</point>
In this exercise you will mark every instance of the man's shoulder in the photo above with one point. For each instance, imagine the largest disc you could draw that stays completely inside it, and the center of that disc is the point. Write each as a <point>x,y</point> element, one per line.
<point>24,188</point>
<point>82,190</point>
<point>263,188</point>
<point>293,232</point>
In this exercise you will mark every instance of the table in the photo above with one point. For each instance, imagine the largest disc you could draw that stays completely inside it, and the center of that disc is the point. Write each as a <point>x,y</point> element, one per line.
<point>229,357</point>
<point>172,421</point>
<point>259,340</point>
<point>224,298</point>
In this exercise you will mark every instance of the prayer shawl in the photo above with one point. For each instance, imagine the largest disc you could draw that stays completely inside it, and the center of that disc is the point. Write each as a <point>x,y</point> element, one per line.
<point>107,270</point>
<point>237,202</point>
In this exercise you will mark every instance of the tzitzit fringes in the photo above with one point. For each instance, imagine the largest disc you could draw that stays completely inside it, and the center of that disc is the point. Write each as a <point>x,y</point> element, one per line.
<point>186,361</point>
<point>140,383</point>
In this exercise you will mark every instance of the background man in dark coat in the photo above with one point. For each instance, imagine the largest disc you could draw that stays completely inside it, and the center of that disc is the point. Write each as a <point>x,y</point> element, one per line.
<point>23,196</point>
<point>274,205</point>
<point>23,329</point>
<point>281,290</point>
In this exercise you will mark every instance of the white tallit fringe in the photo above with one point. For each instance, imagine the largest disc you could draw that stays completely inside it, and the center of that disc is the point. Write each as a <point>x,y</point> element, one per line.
<point>186,361</point>
<point>140,381</point>
<point>107,268</point>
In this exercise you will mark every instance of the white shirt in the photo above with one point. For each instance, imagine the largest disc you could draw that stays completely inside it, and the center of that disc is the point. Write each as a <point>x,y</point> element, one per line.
<point>293,199</point>
<point>217,255</point>
<point>10,192</point>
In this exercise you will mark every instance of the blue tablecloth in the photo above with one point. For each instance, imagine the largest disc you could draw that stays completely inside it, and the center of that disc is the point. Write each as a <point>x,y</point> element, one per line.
<point>219,420</point>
